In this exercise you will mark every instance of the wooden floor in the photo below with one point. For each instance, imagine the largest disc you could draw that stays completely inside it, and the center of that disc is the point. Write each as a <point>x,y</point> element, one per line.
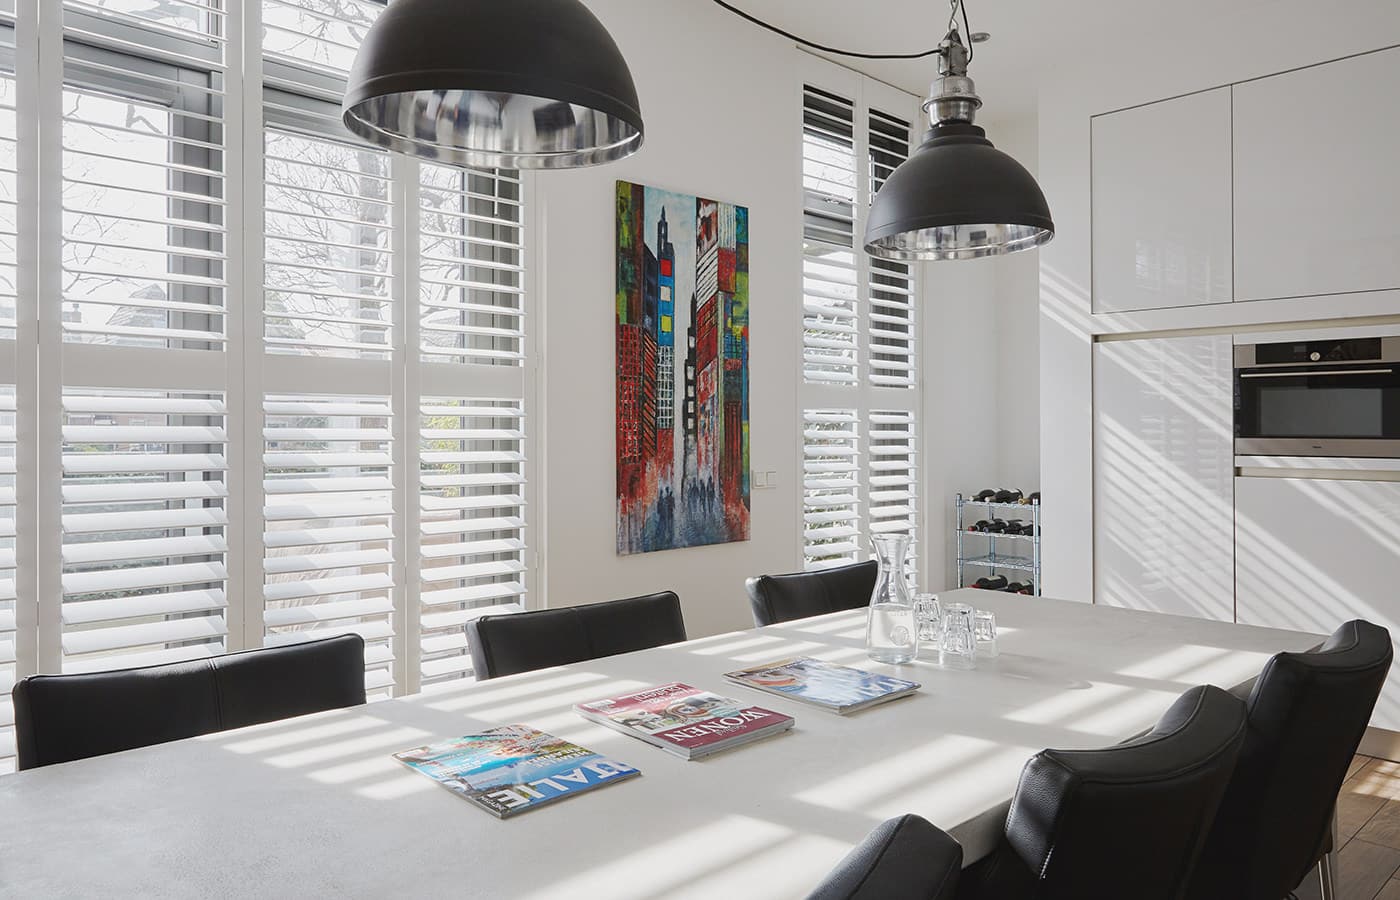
<point>1368,825</point>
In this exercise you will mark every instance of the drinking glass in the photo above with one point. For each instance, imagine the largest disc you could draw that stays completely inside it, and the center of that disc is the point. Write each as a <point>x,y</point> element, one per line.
<point>957,647</point>
<point>984,627</point>
<point>929,614</point>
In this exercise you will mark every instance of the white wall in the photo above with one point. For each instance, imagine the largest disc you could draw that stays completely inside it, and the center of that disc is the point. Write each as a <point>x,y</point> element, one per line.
<point>1240,42</point>
<point>723,114</point>
<point>1017,300</point>
<point>960,399</point>
<point>722,102</point>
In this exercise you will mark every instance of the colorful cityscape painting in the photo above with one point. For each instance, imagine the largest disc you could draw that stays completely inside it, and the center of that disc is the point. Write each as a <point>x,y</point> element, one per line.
<point>682,371</point>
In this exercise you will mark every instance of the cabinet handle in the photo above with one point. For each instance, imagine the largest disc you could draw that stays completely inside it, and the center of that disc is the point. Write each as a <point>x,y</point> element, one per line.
<point>1311,374</point>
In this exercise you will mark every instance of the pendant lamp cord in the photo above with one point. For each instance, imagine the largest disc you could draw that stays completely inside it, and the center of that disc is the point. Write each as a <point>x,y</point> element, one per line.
<point>956,5</point>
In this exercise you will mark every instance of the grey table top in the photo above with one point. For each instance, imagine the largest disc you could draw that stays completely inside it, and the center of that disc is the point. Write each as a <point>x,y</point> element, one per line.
<point>317,806</point>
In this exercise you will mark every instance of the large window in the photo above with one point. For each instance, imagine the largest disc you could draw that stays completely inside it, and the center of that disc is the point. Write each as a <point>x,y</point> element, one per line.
<point>860,390</point>
<point>259,382</point>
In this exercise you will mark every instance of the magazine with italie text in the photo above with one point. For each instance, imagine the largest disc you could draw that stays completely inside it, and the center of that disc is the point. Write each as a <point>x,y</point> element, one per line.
<point>840,689</point>
<point>685,720</point>
<point>512,769</point>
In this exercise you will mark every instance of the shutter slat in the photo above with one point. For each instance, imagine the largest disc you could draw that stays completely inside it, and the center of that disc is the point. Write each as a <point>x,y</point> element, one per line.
<point>86,612</point>
<point>326,587</point>
<point>121,637</point>
<point>327,561</point>
<point>104,662</point>
<point>327,612</point>
<point>498,590</point>
<point>113,551</point>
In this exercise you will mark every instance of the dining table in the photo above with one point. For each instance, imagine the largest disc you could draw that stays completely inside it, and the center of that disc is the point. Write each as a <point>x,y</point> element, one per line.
<point>317,806</point>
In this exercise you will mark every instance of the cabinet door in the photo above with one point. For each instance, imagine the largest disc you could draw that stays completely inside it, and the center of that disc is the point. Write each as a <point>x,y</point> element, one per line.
<point>1163,476</point>
<point>1161,204</point>
<point>1317,182</point>
<point>1313,554</point>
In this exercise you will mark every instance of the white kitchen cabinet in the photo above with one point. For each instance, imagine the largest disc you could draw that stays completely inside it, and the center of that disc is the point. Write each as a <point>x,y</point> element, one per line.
<point>1312,554</point>
<point>1317,183</point>
<point>1161,204</point>
<point>1163,475</point>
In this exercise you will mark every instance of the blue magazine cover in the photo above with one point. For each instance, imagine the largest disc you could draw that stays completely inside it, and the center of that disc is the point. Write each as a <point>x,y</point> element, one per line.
<point>840,689</point>
<point>514,768</point>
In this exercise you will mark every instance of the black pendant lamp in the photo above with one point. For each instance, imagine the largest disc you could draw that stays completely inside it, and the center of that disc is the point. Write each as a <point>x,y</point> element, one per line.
<point>534,84</point>
<point>957,197</point>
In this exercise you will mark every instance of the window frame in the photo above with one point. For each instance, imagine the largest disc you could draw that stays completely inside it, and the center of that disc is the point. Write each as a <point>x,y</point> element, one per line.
<point>40,364</point>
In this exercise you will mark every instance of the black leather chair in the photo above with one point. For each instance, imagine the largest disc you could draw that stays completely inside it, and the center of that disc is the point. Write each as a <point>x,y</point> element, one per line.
<point>1307,715</point>
<point>902,859</point>
<point>522,642</point>
<point>782,598</point>
<point>59,718</point>
<point>1126,821</point>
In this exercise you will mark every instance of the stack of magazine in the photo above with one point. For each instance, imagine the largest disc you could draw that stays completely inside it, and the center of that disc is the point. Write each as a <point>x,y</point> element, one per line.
<point>515,768</point>
<point>839,689</point>
<point>686,721</point>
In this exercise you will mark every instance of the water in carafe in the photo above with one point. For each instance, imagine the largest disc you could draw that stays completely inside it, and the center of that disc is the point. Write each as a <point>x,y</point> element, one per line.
<point>892,630</point>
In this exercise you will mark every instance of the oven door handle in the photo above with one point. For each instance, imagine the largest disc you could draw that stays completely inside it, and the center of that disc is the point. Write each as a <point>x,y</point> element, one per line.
<point>1315,373</point>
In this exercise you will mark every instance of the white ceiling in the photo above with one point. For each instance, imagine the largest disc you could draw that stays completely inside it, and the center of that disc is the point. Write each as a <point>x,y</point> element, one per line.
<point>1027,35</point>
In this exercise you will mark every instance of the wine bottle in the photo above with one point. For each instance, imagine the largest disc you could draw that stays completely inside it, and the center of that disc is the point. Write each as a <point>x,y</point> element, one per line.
<point>994,583</point>
<point>997,526</point>
<point>982,525</point>
<point>984,495</point>
<point>1014,526</point>
<point>1033,498</point>
<point>1015,587</point>
<point>1007,496</point>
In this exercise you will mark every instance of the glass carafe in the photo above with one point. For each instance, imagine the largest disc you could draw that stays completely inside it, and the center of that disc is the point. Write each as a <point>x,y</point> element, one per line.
<point>891,630</point>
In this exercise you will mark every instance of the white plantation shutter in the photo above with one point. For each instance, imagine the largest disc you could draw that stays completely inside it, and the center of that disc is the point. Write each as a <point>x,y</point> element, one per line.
<point>894,476</point>
<point>202,19</point>
<point>829,274</point>
<point>472,500</point>
<point>144,193</point>
<point>8,613</point>
<point>187,468</point>
<point>144,528</point>
<point>9,196</point>
<point>327,256</point>
<point>472,275</point>
<point>328,509</point>
<point>9,295</point>
<point>860,391</point>
<point>830,487</point>
<point>890,288</point>
<point>321,35</point>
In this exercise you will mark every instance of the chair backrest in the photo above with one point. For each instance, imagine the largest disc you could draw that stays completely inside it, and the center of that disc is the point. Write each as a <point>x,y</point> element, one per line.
<point>1126,821</point>
<point>522,642</point>
<point>1307,715</point>
<point>59,718</point>
<point>902,859</point>
<point>782,598</point>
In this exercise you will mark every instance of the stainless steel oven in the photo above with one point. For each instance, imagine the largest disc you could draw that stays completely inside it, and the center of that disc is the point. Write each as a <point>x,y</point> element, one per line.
<point>1336,398</point>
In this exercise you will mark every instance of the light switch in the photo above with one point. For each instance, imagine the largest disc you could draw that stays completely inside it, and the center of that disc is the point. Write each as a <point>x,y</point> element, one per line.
<point>770,479</point>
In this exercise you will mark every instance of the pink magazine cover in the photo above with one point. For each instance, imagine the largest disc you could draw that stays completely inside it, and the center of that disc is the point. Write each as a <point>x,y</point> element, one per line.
<point>684,716</point>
